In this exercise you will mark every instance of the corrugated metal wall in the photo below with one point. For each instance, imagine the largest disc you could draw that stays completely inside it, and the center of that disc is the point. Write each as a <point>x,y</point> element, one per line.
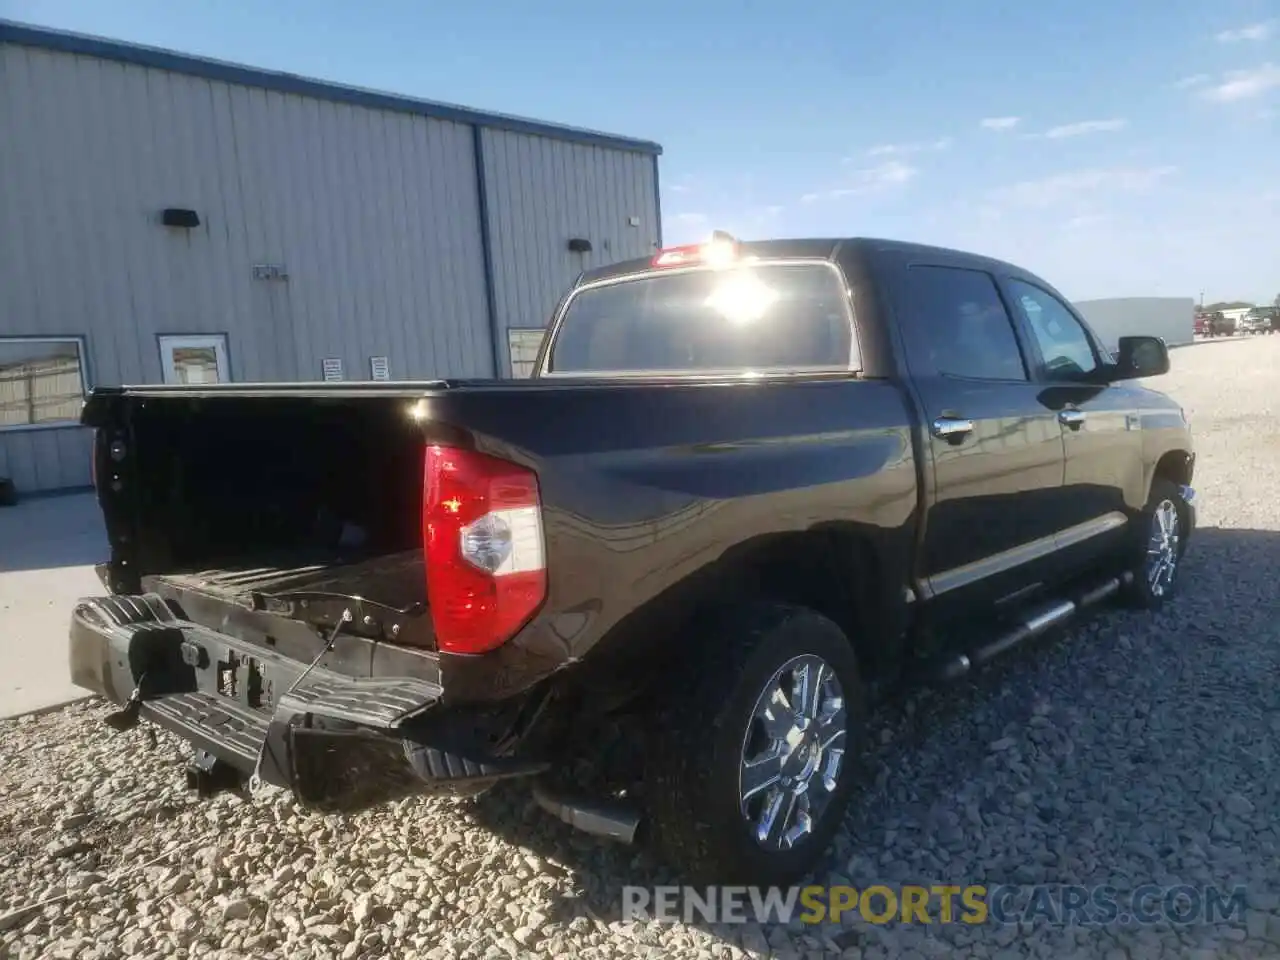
<point>543,192</point>
<point>374,215</point>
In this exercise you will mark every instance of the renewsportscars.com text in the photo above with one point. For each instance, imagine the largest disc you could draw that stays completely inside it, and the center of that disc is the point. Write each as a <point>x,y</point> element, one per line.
<point>940,903</point>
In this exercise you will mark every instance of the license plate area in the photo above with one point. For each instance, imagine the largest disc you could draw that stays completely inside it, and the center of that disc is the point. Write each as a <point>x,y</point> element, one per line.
<point>241,678</point>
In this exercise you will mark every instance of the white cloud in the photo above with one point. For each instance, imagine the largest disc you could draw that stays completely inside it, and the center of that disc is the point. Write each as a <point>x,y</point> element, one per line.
<point>1195,80</point>
<point>884,176</point>
<point>906,149</point>
<point>1000,123</point>
<point>1084,127</point>
<point>1071,186</point>
<point>888,174</point>
<point>690,219</point>
<point>1255,32</point>
<point>680,184</point>
<point>1085,220</point>
<point>1244,84</point>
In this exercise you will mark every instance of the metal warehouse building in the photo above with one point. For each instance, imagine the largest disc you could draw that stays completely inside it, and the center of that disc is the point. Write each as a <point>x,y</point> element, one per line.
<point>171,218</point>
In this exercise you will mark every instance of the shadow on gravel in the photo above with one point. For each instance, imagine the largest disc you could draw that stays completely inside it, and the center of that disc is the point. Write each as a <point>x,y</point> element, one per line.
<point>944,738</point>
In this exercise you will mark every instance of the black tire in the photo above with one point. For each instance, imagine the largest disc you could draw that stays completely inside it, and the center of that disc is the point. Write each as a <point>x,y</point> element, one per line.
<point>1142,592</point>
<point>702,724</point>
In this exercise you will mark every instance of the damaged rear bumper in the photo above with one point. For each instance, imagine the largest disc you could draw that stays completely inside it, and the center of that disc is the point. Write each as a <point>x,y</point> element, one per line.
<point>322,734</point>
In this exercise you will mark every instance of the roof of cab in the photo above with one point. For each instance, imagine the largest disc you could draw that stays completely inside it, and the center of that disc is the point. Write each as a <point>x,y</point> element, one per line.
<point>816,248</point>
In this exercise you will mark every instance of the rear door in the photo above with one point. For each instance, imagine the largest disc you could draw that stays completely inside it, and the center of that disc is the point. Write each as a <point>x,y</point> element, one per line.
<point>1100,423</point>
<point>995,446</point>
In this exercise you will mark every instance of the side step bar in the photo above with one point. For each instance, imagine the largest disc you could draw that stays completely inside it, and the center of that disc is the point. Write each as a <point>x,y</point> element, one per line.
<point>1038,621</point>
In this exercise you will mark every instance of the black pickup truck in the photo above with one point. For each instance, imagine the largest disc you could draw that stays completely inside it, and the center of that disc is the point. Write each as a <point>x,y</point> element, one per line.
<point>750,485</point>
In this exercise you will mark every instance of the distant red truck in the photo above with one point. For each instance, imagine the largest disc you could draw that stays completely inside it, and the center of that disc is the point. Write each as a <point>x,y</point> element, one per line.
<point>1214,324</point>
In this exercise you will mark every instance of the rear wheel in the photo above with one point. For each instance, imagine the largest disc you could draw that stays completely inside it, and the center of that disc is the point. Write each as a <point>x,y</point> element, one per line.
<point>752,763</point>
<point>1162,540</point>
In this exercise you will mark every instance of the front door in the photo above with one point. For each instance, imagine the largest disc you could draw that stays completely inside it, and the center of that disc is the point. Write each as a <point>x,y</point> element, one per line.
<point>1100,422</point>
<point>194,359</point>
<point>996,448</point>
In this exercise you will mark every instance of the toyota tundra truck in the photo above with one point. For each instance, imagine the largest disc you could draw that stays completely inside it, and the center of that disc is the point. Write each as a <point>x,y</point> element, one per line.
<point>749,485</point>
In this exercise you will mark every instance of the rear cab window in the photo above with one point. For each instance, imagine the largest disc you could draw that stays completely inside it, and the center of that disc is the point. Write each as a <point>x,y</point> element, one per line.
<point>751,316</point>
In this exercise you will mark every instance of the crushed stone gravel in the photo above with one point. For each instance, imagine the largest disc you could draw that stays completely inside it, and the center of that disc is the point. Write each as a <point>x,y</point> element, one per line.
<point>1136,749</point>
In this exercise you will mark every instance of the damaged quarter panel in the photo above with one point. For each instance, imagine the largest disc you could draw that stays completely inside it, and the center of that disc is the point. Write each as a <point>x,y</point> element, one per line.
<point>648,487</point>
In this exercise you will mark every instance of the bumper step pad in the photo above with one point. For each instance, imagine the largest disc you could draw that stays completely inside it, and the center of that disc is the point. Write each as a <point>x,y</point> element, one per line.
<point>305,730</point>
<point>209,723</point>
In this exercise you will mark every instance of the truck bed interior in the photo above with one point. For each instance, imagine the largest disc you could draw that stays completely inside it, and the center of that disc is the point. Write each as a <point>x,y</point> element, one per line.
<point>242,495</point>
<point>396,579</point>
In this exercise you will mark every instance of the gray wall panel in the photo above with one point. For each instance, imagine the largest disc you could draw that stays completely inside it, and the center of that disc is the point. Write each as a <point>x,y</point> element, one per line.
<point>374,215</point>
<point>542,192</point>
<point>372,208</point>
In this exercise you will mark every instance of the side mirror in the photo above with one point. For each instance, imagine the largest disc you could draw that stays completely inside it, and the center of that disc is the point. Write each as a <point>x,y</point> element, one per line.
<point>1141,357</point>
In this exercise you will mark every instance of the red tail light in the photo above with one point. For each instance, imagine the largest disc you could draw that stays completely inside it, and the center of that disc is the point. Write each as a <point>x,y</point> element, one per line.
<point>720,251</point>
<point>482,531</point>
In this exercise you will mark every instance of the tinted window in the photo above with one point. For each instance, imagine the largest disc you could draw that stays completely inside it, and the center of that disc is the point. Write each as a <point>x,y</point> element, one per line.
<point>1064,344</point>
<point>759,317</point>
<point>965,330</point>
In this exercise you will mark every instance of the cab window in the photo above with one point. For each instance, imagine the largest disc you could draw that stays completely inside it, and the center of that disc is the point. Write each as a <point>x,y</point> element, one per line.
<point>1065,345</point>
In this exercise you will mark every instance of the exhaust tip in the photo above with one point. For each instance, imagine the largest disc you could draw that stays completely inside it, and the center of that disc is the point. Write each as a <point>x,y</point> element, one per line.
<point>611,819</point>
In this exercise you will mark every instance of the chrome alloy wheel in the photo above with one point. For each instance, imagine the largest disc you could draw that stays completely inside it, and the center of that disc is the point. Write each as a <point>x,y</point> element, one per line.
<point>1162,548</point>
<point>793,752</point>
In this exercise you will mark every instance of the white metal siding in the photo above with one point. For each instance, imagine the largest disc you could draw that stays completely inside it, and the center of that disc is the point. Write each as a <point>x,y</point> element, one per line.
<point>541,193</point>
<point>1169,317</point>
<point>372,209</point>
<point>373,214</point>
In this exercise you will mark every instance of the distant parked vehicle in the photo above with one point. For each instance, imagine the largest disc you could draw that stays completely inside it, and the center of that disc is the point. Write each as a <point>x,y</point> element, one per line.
<point>1215,324</point>
<point>1260,320</point>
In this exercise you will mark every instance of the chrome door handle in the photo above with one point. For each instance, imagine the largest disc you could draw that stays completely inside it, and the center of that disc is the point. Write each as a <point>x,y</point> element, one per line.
<point>954,429</point>
<point>1071,418</point>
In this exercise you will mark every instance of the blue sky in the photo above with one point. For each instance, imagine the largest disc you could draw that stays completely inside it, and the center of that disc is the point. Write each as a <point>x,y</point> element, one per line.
<point>1127,148</point>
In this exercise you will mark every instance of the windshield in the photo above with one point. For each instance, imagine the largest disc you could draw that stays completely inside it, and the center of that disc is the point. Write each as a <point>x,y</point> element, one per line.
<point>758,317</point>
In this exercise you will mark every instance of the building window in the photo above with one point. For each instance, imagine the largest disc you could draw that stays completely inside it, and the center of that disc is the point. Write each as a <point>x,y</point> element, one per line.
<point>524,344</point>
<point>42,381</point>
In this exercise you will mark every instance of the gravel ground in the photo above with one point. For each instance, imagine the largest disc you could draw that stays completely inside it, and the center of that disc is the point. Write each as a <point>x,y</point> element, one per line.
<point>1137,749</point>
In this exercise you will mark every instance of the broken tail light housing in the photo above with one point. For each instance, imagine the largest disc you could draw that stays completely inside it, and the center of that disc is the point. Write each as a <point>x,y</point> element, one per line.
<point>482,537</point>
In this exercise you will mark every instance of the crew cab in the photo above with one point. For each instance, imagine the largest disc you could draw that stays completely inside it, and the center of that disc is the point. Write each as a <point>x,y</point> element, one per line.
<point>749,486</point>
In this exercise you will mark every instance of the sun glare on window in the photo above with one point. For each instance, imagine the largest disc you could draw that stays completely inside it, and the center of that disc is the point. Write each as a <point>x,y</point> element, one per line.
<point>742,298</point>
